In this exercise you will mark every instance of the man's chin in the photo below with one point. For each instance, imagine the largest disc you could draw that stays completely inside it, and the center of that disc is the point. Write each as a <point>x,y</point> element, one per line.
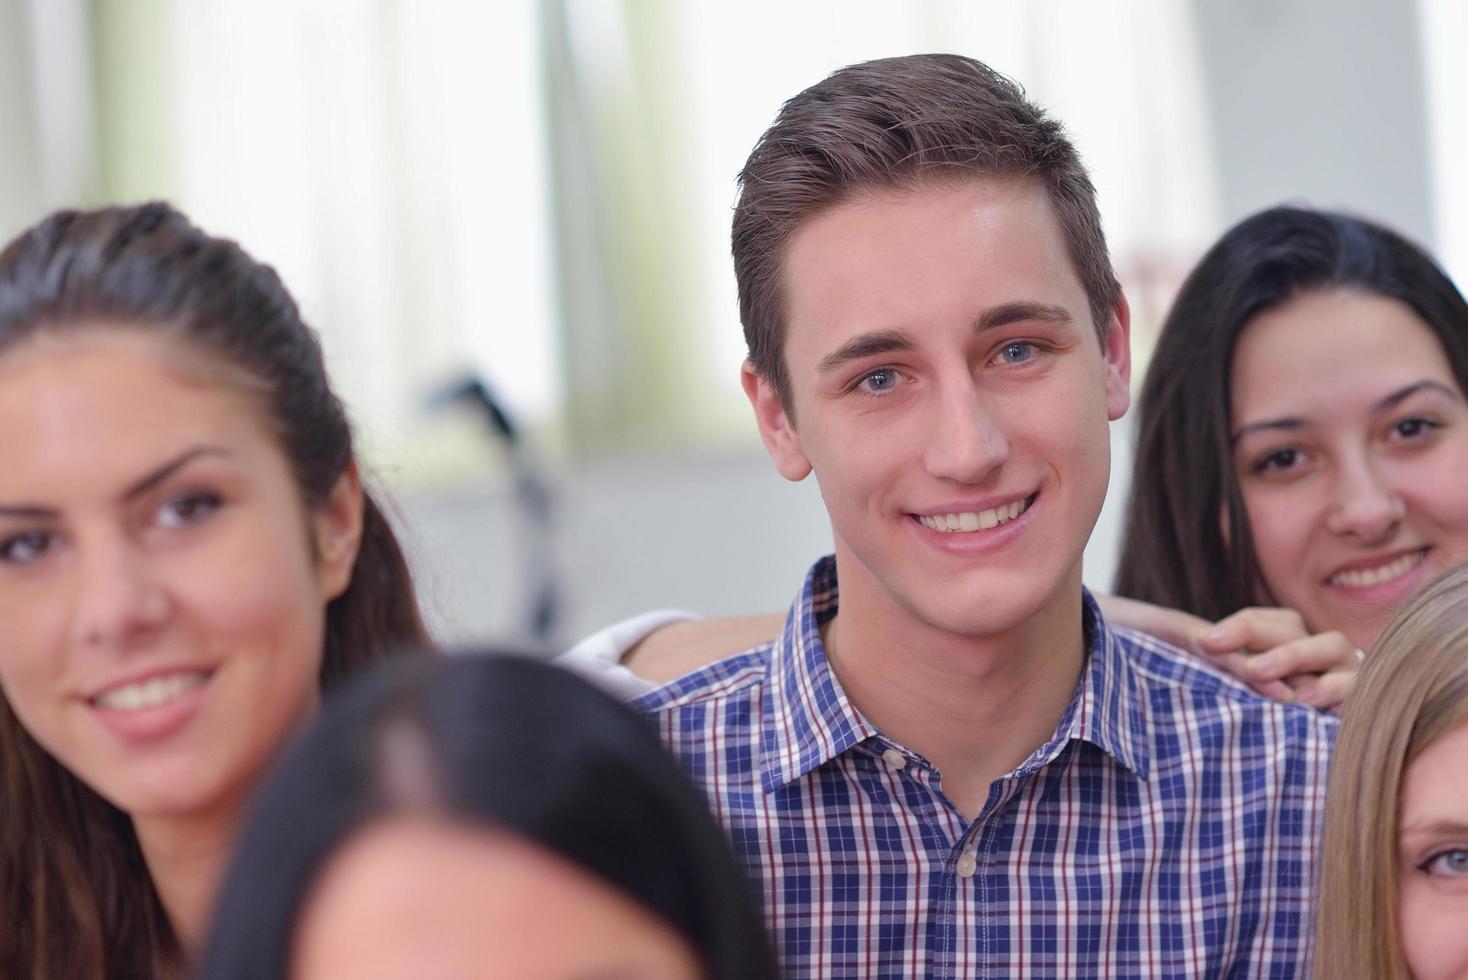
<point>978,618</point>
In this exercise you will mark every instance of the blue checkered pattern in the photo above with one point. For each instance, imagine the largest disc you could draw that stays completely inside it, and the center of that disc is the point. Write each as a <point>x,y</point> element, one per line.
<point>1167,829</point>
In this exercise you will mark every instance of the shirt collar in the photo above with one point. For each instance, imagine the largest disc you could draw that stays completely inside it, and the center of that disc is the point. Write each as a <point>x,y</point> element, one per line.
<point>807,719</point>
<point>1109,710</point>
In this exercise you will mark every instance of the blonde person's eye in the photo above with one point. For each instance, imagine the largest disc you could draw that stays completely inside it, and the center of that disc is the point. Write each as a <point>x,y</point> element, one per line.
<point>1448,863</point>
<point>26,547</point>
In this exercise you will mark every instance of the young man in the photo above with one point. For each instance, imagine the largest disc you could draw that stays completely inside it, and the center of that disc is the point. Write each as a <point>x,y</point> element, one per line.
<point>947,765</point>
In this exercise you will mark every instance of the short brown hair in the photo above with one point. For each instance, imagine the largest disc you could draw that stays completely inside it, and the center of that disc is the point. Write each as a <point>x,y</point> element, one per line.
<point>896,122</point>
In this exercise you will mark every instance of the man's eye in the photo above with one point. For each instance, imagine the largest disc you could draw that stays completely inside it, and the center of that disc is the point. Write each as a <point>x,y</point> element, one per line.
<point>187,508</point>
<point>879,381</point>
<point>1016,353</point>
<point>26,547</point>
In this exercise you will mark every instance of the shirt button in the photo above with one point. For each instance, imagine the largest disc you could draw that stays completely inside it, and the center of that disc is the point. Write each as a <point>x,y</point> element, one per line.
<point>967,864</point>
<point>895,760</point>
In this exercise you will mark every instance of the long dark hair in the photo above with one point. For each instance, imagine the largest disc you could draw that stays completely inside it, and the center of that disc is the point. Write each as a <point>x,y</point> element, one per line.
<point>75,896</point>
<point>506,742</point>
<point>1175,551</point>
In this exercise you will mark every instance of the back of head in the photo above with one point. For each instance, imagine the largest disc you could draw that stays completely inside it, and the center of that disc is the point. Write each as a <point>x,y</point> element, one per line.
<point>891,124</point>
<point>1412,690</point>
<point>498,742</point>
<point>1176,552</point>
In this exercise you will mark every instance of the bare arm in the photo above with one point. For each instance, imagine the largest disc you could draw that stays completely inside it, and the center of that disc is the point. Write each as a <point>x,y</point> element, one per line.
<point>1269,649</point>
<point>684,647</point>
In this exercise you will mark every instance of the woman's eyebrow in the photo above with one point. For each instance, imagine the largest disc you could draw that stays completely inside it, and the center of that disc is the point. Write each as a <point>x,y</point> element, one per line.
<point>1435,828</point>
<point>1286,423</point>
<point>169,468</point>
<point>37,512</point>
<point>1402,394</point>
<point>1291,422</point>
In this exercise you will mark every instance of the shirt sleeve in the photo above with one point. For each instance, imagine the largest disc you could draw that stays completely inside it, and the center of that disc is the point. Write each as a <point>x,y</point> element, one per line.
<point>598,657</point>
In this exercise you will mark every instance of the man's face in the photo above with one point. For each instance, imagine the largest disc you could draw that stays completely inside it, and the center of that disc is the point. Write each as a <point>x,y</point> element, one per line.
<point>950,394</point>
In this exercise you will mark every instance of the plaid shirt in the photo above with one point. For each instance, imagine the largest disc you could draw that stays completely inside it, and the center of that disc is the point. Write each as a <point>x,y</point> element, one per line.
<point>1167,829</point>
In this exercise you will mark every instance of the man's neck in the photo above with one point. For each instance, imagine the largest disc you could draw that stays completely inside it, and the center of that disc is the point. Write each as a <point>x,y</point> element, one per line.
<point>973,706</point>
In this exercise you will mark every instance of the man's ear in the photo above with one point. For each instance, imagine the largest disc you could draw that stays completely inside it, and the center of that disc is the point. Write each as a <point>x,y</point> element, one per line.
<point>336,526</point>
<point>1117,350</point>
<point>775,428</point>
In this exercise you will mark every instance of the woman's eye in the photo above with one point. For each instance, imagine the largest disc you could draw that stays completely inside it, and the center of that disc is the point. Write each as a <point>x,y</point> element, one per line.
<point>1016,353</point>
<point>1447,864</point>
<point>879,381</point>
<point>187,508</point>
<point>26,547</point>
<point>1279,461</point>
<point>1413,428</point>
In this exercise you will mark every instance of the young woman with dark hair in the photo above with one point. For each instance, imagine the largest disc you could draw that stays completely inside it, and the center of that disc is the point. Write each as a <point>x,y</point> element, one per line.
<point>1302,446</point>
<point>483,816</point>
<point>187,559</point>
<point>1302,437</point>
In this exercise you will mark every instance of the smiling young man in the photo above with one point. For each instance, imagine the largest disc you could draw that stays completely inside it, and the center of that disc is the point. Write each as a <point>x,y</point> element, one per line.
<point>949,765</point>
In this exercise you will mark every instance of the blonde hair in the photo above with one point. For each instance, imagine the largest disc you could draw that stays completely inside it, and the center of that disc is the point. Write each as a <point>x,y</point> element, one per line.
<point>1412,690</point>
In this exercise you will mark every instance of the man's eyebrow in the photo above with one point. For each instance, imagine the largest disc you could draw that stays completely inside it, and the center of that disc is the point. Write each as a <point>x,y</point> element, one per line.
<point>888,341</point>
<point>1007,313</point>
<point>1390,401</point>
<point>169,468</point>
<point>865,345</point>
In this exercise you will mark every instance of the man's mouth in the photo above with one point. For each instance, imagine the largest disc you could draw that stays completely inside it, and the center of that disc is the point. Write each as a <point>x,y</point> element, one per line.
<point>975,520</point>
<point>1365,578</point>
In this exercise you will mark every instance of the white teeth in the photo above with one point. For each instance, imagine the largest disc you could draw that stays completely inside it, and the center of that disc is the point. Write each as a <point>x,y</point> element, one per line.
<point>152,692</point>
<point>1364,578</point>
<point>981,520</point>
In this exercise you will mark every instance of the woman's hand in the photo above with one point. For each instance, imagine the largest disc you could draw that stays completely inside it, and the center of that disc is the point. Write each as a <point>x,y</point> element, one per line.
<point>1270,649</point>
<point>1275,652</point>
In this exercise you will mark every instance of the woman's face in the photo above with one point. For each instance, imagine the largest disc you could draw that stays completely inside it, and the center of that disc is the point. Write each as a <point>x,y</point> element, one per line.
<point>162,586</point>
<point>1432,870</point>
<point>416,897</point>
<point>1351,451</point>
